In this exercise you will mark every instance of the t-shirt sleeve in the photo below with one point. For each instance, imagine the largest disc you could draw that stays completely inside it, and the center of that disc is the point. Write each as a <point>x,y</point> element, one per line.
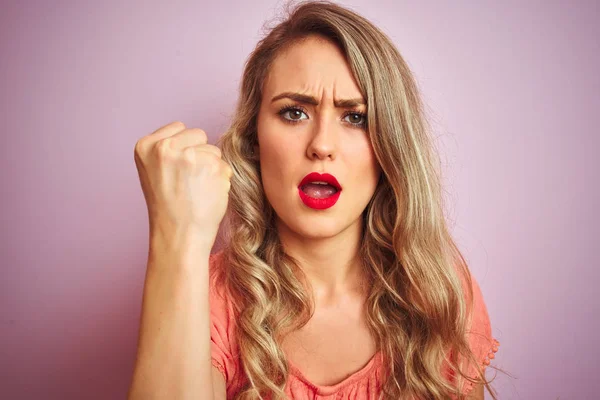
<point>479,336</point>
<point>222,325</point>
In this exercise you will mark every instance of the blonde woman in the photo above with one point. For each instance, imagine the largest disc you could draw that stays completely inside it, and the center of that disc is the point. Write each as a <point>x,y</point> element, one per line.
<point>338,278</point>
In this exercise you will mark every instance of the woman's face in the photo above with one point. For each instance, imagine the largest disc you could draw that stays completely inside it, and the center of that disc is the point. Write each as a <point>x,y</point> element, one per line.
<point>299,136</point>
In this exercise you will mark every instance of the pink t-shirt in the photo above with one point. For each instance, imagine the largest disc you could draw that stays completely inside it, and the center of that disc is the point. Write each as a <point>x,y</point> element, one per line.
<point>364,384</point>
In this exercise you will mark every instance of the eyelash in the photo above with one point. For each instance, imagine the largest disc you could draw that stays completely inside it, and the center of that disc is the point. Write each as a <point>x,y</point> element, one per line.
<point>287,108</point>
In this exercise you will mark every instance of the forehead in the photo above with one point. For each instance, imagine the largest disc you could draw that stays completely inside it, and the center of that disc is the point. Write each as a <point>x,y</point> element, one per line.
<point>312,66</point>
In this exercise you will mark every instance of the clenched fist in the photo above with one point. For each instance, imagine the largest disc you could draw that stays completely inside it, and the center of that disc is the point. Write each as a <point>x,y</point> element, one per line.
<point>184,180</point>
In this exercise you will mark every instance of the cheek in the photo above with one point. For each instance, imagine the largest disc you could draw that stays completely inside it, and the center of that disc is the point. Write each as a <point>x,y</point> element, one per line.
<point>278,158</point>
<point>364,158</point>
<point>271,162</point>
<point>278,177</point>
<point>280,151</point>
<point>374,165</point>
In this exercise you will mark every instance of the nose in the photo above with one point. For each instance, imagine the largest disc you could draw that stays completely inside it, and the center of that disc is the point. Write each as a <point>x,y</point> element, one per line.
<point>323,143</point>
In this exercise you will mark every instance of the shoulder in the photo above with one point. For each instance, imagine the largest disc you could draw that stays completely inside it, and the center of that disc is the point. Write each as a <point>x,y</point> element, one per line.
<point>479,334</point>
<point>480,326</point>
<point>478,316</point>
<point>480,319</point>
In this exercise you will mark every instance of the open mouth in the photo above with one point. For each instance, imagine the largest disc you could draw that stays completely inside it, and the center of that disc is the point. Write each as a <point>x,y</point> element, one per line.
<point>319,190</point>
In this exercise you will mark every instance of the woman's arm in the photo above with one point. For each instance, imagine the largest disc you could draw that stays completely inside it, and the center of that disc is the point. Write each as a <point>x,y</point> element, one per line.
<point>219,387</point>
<point>173,359</point>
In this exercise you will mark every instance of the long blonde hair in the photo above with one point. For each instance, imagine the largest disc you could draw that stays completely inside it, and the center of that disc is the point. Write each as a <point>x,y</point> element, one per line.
<point>420,286</point>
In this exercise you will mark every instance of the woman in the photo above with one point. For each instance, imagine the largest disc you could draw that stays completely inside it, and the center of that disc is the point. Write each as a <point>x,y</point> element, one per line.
<point>339,278</point>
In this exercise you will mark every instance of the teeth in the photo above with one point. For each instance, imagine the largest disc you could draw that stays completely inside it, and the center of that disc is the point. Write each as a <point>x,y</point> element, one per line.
<point>320,183</point>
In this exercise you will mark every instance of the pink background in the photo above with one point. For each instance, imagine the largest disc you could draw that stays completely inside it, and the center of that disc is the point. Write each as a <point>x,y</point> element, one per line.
<point>513,90</point>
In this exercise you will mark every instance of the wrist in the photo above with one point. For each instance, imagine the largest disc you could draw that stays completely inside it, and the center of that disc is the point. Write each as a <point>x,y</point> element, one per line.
<point>183,240</point>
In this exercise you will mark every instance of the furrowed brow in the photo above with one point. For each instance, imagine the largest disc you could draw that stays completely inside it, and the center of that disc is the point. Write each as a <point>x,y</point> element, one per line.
<point>303,98</point>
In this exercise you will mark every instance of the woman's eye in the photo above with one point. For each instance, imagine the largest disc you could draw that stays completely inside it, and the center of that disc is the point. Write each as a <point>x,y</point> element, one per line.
<point>356,119</point>
<point>294,113</point>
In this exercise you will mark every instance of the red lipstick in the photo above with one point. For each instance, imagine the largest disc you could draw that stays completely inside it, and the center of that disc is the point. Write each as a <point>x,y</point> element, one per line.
<point>320,203</point>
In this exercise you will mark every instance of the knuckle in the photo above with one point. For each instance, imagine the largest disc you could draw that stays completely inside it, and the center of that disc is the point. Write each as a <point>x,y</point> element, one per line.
<point>210,149</point>
<point>213,162</point>
<point>208,162</point>
<point>189,156</point>
<point>208,155</point>
<point>139,147</point>
<point>226,168</point>
<point>217,151</point>
<point>163,148</point>
<point>178,124</point>
<point>213,159</point>
<point>170,128</point>
<point>201,134</point>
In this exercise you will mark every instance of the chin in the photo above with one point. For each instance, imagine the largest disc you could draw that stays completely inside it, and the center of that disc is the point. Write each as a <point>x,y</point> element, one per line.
<point>314,226</point>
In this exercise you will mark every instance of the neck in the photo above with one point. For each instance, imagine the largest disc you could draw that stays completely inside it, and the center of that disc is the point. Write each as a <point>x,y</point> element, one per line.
<point>332,265</point>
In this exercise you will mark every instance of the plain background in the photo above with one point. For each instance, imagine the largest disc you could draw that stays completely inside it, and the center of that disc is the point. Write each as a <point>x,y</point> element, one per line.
<point>512,89</point>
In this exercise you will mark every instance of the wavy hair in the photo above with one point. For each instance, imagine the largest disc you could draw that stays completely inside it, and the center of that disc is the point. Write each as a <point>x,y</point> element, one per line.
<point>420,294</point>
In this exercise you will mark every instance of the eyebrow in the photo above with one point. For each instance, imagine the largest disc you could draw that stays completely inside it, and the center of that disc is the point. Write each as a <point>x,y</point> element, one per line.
<point>303,98</point>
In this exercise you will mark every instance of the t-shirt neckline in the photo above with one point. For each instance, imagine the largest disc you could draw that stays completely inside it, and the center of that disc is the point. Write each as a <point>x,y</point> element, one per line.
<point>330,389</point>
